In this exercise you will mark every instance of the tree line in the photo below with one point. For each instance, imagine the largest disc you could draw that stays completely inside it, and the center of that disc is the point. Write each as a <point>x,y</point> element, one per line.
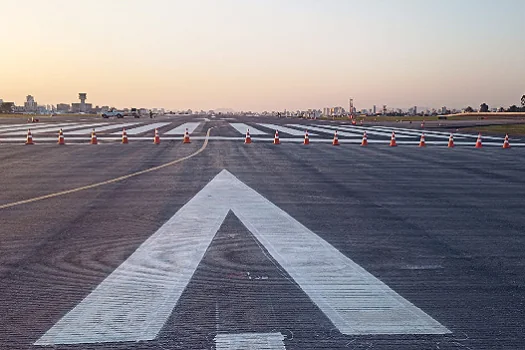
<point>483,108</point>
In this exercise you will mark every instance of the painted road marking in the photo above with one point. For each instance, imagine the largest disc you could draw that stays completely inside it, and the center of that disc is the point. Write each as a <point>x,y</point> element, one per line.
<point>179,130</point>
<point>242,128</point>
<point>55,128</point>
<point>134,301</point>
<point>326,131</point>
<point>141,129</point>
<point>372,131</point>
<point>87,131</point>
<point>12,127</point>
<point>284,129</point>
<point>250,341</point>
<point>18,131</point>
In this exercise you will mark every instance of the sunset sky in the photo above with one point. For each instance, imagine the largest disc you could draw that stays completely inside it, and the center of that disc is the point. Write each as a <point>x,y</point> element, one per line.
<point>263,54</point>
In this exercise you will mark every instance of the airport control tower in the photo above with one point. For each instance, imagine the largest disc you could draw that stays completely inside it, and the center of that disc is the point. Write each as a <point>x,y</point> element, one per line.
<point>82,97</point>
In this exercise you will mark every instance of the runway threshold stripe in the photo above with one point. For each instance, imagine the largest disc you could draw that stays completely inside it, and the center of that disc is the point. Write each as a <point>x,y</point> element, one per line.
<point>12,127</point>
<point>87,131</point>
<point>242,128</point>
<point>325,130</point>
<point>284,129</point>
<point>21,131</point>
<point>55,128</point>
<point>179,130</point>
<point>137,298</point>
<point>256,341</point>
<point>141,129</point>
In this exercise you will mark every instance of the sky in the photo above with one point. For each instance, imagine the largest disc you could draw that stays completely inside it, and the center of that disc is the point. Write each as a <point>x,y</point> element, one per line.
<point>263,54</point>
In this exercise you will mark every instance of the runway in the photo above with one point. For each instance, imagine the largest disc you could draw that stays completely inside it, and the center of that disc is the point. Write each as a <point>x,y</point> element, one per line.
<point>286,246</point>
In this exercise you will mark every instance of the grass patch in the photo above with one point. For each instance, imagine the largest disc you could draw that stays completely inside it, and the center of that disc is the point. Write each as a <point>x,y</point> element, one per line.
<point>511,129</point>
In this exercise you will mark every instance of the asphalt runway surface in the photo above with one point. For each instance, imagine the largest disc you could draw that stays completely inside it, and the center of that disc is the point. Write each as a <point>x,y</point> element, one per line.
<point>441,228</point>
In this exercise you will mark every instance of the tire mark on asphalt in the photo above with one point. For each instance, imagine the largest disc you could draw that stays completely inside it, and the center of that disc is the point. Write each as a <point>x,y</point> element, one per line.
<point>111,181</point>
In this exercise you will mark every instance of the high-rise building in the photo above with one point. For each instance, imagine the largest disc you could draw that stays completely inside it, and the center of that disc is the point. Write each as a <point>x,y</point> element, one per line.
<point>30,105</point>
<point>374,110</point>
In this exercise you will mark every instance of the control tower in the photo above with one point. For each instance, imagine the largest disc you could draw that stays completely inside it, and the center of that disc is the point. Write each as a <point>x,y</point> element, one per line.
<point>82,97</point>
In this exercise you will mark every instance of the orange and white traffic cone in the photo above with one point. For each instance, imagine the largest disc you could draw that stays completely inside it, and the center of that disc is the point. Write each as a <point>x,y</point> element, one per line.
<point>365,140</point>
<point>306,138</point>
<point>422,141</point>
<point>94,140</point>
<point>393,140</point>
<point>248,138</point>
<point>61,140</point>
<point>335,142</point>
<point>186,137</point>
<point>276,140</point>
<point>156,138</point>
<point>451,141</point>
<point>29,139</point>
<point>124,137</point>
<point>478,141</point>
<point>506,143</point>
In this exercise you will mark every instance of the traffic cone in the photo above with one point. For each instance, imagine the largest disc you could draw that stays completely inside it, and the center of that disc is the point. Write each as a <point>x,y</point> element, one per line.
<point>306,138</point>
<point>276,140</point>
<point>248,138</point>
<point>422,141</point>
<point>61,140</point>
<point>29,139</point>
<point>186,137</point>
<point>94,140</point>
<point>335,142</point>
<point>124,137</point>
<point>365,140</point>
<point>451,141</point>
<point>156,138</point>
<point>393,140</point>
<point>478,141</point>
<point>506,143</point>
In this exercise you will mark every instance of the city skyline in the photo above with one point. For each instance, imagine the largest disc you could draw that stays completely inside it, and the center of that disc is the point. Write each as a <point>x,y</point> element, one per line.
<point>264,55</point>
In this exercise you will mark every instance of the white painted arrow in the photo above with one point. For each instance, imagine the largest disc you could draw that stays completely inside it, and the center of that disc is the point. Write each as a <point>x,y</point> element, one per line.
<point>134,302</point>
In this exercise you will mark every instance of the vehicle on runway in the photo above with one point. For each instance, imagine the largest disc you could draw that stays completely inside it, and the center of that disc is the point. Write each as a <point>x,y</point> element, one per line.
<point>112,113</point>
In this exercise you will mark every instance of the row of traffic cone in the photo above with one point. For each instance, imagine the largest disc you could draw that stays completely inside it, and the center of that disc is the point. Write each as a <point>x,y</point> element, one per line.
<point>94,140</point>
<point>364,142</point>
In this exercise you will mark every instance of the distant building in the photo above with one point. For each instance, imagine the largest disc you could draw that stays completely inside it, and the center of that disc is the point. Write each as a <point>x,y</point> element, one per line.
<point>443,110</point>
<point>63,108</point>
<point>374,110</point>
<point>1,101</point>
<point>30,105</point>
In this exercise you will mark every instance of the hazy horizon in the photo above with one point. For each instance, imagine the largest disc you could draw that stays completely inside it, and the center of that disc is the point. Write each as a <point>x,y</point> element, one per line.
<point>264,54</point>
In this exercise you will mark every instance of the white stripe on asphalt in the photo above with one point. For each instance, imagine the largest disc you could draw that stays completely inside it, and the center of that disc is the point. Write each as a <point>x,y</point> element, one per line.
<point>87,131</point>
<point>179,130</point>
<point>325,130</point>
<point>49,128</point>
<point>141,129</point>
<point>250,341</point>
<point>413,132</point>
<point>284,129</point>
<point>134,301</point>
<point>7,128</point>
<point>242,128</point>
<point>370,131</point>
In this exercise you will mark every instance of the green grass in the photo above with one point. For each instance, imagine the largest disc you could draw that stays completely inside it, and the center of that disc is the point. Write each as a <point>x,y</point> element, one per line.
<point>511,129</point>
